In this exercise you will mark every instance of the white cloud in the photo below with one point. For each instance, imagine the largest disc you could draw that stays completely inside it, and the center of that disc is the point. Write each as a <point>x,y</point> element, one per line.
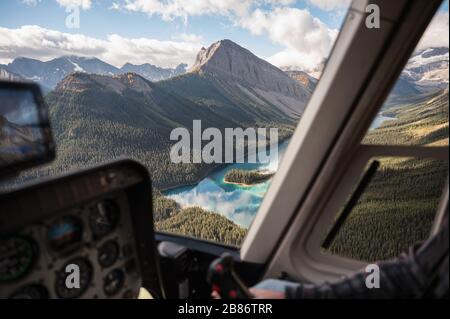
<point>83,4</point>
<point>330,5</point>
<point>171,9</point>
<point>114,6</point>
<point>189,37</point>
<point>280,2</point>
<point>44,44</point>
<point>142,50</point>
<point>292,59</point>
<point>437,32</point>
<point>306,39</point>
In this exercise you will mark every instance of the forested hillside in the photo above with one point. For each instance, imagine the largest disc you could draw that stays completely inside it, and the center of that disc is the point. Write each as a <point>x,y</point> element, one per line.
<point>225,99</point>
<point>199,223</point>
<point>99,118</point>
<point>399,205</point>
<point>194,222</point>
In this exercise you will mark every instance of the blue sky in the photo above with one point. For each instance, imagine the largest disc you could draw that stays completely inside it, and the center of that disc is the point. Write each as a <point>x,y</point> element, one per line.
<point>298,33</point>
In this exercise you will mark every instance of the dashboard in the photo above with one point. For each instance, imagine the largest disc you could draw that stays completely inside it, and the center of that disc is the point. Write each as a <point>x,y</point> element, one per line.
<point>88,235</point>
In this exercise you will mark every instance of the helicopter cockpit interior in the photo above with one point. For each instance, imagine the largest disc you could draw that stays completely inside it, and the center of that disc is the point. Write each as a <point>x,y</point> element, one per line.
<point>90,233</point>
<point>97,220</point>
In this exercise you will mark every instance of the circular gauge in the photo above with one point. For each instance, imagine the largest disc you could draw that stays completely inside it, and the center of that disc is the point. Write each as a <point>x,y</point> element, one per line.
<point>17,257</point>
<point>33,291</point>
<point>74,278</point>
<point>104,217</point>
<point>113,282</point>
<point>108,253</point>
<point>64,233</point>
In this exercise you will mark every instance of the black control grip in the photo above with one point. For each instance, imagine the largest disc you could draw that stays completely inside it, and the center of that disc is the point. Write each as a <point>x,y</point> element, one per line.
<point>224,280</point>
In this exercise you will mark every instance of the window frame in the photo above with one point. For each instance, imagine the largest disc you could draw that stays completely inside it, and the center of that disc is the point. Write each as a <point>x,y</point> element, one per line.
<point>338,198</point>
<point>328,138</point>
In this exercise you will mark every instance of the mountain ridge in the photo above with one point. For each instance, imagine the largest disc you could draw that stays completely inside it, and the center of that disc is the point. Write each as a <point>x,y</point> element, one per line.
<point>50,73</point>
<point>131,115</point>
<point>428,68</point>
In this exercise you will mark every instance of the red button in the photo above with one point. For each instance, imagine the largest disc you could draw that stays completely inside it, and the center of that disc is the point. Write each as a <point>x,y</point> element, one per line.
<point>216,288</point>
<point>219,268</point>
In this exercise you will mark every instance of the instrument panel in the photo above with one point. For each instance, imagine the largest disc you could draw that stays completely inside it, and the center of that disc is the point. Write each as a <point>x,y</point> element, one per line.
<point>90,239</point>
<point>85,247</point>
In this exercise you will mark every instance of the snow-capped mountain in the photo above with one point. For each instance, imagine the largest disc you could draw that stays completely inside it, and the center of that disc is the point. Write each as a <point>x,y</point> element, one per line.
<point>152,72</point>
<point>428,68</point>
<point>50,73</point>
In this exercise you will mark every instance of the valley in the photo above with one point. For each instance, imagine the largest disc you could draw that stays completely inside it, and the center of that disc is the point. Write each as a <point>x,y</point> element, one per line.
<point>97,118</point>
<point>100,113</point>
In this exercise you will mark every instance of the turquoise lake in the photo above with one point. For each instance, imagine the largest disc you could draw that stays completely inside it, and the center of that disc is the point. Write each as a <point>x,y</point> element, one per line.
<point>238,203</point>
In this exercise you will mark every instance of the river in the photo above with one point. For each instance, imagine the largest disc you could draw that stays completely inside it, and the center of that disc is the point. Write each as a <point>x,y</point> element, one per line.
<point>380,119</point>
<point>237,203</point>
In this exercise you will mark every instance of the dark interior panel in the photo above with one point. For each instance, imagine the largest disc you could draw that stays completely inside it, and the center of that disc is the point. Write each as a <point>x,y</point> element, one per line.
<point>99,220</point>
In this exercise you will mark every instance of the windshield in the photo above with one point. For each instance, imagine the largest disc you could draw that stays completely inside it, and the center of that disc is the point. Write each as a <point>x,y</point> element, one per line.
<point>205,94</point>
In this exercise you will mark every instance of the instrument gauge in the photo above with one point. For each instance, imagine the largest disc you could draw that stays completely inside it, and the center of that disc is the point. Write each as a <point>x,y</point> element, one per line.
<point>64,233</point>
<point>113,282</point>
<point>104,218</point>
<point>33,291</point>
<point>108,253</point>
<point>17,256</point>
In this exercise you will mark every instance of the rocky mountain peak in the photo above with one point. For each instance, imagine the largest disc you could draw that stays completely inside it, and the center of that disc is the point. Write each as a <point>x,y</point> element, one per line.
<point>231,62</point>
<point>220,50</point>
